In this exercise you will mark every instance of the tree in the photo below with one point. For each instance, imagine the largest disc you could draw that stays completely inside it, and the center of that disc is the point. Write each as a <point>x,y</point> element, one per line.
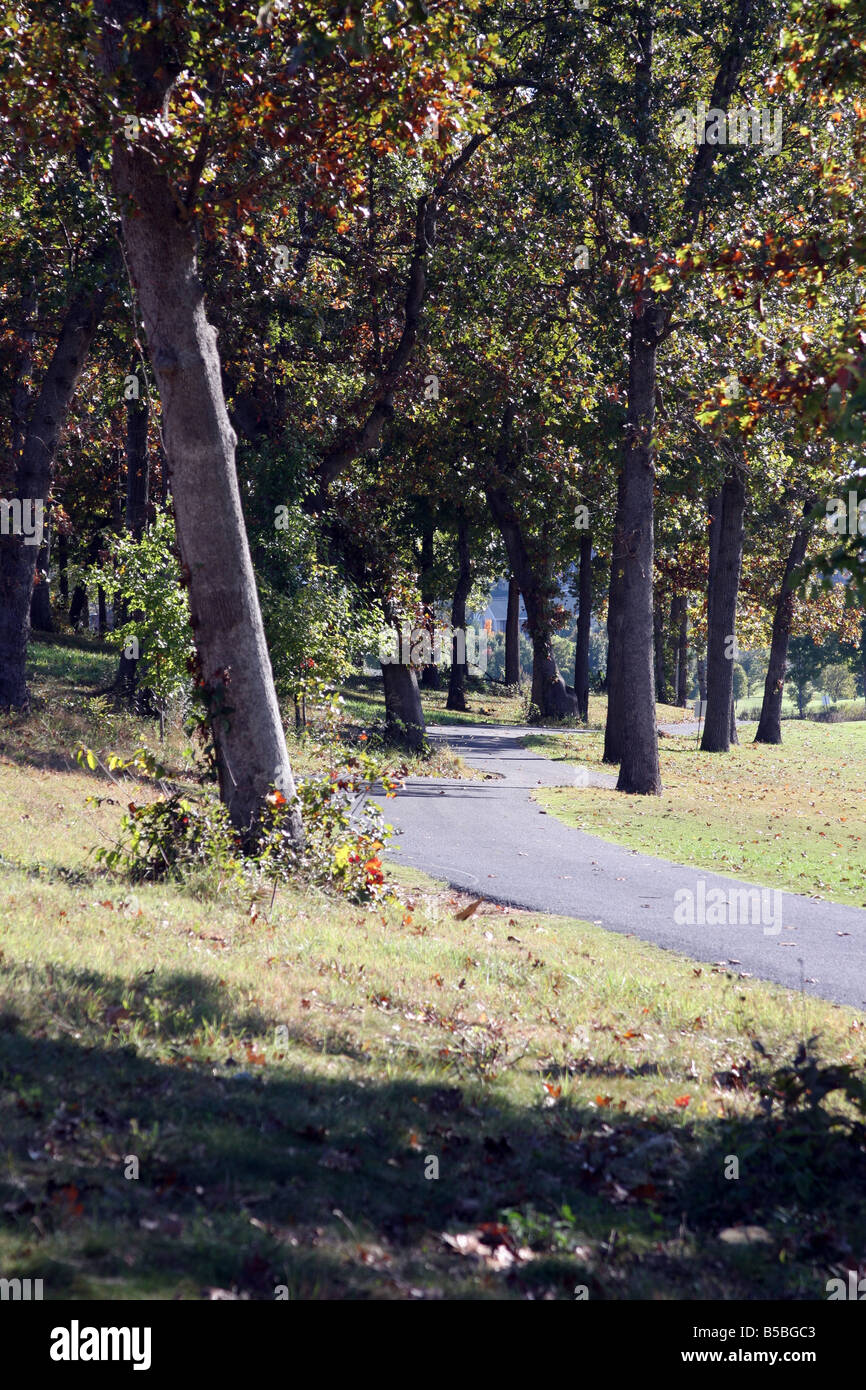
<point>770,723</point>
<point>726,559</point>
<point>838,682</point>
<point>198,111</point>
<point>33,469</point>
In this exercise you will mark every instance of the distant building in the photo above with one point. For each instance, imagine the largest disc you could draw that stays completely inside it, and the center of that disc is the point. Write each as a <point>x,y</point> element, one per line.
<point>496,611</point>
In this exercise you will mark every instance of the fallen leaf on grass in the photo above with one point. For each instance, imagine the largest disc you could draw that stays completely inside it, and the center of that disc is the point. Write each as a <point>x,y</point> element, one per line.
<point>465,912</point>
<point>491,1244</point>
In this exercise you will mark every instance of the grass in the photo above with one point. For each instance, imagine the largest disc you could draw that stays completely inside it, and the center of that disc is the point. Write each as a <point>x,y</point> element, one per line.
<point>489,703</point>
<point>202,1097</point>
<point>790,816</point>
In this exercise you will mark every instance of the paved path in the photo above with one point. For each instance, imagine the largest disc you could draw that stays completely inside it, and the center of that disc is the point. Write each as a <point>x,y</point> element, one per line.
<point>488,837</point>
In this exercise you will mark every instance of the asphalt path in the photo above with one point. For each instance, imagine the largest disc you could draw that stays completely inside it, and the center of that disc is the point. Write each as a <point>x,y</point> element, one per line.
<point>488,837</point>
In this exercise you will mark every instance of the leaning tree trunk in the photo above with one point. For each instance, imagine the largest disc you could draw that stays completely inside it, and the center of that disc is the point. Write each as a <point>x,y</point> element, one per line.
<point>512,634</point>
<point>639,767</point>
<point>550,695</point>
<point>234,680</point>
<point>581,638</point>
<point>459,666</point>
<point>35,471</point>
<point>770,722</point>
<point>722,592</point>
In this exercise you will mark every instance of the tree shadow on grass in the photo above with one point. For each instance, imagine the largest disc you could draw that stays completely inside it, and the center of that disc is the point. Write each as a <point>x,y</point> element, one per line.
<point>259,1173</point>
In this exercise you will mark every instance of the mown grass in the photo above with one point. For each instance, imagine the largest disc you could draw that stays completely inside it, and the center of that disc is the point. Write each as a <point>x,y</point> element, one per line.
<point>281,1076</point>
<point>790,816</point>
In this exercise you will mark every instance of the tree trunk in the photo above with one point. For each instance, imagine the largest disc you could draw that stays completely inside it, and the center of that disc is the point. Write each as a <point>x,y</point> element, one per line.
<point>235,679</point>
<point>78,608</point>
<point>734,736</point>
<point>613,727</point>
<point>404,715</point>
<point>430,671</point>
<point>683,653</point>
<point>724,583</point>
<point>512,634</point>
<point>659,648</point>
<point>550,695</point>
<point>40,601</point>
<point>35,471</point>
<point>103,615</point>
<point>702,678</point>
<point>770,722</point>
<point>581,639</point>
<point>639,767</point>
<point>459,667</point>
<point>20,394</point>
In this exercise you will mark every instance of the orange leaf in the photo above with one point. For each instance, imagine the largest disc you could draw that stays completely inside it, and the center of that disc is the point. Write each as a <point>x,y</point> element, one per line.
<point>682,1101</point>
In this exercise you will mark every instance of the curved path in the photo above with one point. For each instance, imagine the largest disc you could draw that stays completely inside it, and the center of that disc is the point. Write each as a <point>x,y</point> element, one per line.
<point>489,838</point>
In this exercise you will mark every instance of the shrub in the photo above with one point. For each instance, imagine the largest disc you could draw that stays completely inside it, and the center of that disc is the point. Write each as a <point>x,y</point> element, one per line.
<point>145,575</point>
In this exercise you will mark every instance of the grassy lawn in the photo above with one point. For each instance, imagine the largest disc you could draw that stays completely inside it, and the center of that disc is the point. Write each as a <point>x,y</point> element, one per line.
<point>791,816</point>
<point>64,677</point>
<point>202,1093</point>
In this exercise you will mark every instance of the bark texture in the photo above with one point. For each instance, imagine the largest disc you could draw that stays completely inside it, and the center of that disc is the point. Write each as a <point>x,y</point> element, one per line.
<point>459,667</point>
<point>235,677</point>
<point>682,651</point>
<point>726,557</point>
<point>512,634</point>
<point>639,764</point>
<point>584,615</point>
<point>430,672</point>
<point>404,715</point>
<point>770,722</point>
<point>613,727</point>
